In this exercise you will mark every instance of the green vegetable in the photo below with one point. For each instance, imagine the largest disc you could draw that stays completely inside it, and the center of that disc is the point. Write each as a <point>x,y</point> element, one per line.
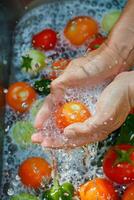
<point>110,19</point>
<point>35,108</point>
<point>59,192</point>
<point>24,196</point>
<point>42,86</point>
<point>33,62</point>
<point>126,131</point>
<point>21,133</point>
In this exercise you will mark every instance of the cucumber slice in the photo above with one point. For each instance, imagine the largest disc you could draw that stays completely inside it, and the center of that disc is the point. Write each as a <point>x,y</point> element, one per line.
<point>35,108</point>
<point>21,133</point>
<point>110,19</point>
<point>24,196</point>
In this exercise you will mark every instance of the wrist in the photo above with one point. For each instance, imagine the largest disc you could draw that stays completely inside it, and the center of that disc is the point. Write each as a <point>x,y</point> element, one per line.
<point>121,41</point>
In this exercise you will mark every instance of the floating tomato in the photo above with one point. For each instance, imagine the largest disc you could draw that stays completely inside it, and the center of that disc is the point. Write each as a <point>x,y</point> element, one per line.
<point>129,193</point>
<point>118,164</point>
<point>99,188</point>
<point>33,170</point>
<point>45,40</point>
<point>96,43</point>
<point>60,64</point>
<point>80,29</point>
<point>70,113</point>
<point>20,96</point>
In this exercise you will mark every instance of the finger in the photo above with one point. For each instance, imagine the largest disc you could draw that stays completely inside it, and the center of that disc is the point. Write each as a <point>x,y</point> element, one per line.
<point>37,138</point>
<point>44,112</point>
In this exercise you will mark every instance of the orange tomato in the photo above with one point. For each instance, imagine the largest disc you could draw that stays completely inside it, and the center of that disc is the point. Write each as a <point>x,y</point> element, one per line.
<point>129,193</point>
<point>70,113</point>
<point>99,188</point>
<point>20,96</point>
<point>33,170</point>
<point>60,64</point>
<point>80,29</point>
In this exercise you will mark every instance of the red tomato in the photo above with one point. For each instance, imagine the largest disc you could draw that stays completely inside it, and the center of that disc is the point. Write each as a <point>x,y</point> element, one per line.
<point>80,29</point>
<point>98,189</point>
<point>60,64</point>
<point>70,113</point>
<point>45,40</point>
<point>129,193</point>
<point>95,44</point>
<point>118,164</point>
<point>33,170</point>
<point>20,96</point>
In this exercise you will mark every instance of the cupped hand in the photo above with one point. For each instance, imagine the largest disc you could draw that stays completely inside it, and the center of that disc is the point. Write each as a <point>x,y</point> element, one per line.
<point>112,109</point>
<point>93,68</point>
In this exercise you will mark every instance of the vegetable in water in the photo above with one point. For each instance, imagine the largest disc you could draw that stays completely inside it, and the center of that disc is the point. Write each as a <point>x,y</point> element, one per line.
<point>98,189</point>
<point>20,96</point>
<point>24,196</point>
<point>118,164</point>
<point>33,62</point>
<point>21,133</point>
<point>42,86</point>
<point>110,19</point>
<point>62,192</point>
<point>33,171</point>
<point>80,29</point>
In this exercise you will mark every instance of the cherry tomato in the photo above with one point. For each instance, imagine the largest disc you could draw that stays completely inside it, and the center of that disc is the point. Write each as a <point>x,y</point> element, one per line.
<point>60,64</point>
<point>129,193</point>
<point>20,96</point>
<point>80,29</point>
<point>96,43</point>
<point>2,97</point>
<point>99,188</point>
<point>70,113</point>
<point>33,170</point>
<point>45,40</point>
<point>118,164</point>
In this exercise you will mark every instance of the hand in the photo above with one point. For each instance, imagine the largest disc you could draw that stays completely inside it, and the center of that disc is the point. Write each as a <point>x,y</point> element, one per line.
<point>113,107</point>
<point>91,69</point>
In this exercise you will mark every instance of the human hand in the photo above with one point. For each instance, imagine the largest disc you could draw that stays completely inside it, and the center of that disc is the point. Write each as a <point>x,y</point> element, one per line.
<point>112,109</point>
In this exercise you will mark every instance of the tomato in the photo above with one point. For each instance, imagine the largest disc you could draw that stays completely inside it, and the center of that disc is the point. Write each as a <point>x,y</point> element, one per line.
<point>80,29</point>
<point>118,164</point>
<point>95,44</point>
<point>33,170</point>
<point>98,188</point>
<point>2,97</point>
<point>70,113</point>
<point>45,40</point>
<point>60,64</point>
<point>129,193</point>
<point>20,96</point>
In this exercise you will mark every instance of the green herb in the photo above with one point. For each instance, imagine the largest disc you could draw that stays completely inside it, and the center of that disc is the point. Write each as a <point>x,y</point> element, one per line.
<point>42,86</point>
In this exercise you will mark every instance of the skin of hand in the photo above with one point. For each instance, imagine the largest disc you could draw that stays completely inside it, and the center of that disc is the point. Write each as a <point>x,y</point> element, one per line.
<point>114,105</point>
<point>113,57</point>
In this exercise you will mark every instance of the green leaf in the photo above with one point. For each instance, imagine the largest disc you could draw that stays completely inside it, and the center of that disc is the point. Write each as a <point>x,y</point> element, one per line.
<point>26,63</point>
<point>126,131</point>
<point>42,86</point>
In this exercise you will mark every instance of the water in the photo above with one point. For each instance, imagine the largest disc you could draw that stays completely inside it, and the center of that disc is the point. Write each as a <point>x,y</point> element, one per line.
<point>79,164</point>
